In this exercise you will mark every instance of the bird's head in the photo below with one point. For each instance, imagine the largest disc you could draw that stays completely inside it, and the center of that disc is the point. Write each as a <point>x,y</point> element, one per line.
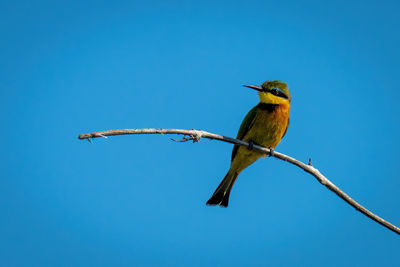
<point>272,92</point>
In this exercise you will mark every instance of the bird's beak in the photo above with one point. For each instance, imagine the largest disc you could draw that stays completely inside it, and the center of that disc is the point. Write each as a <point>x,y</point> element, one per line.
<point>255,87</point>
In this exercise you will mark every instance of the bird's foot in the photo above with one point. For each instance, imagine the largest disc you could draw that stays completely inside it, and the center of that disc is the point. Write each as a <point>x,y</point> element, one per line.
<point>251,145</point>
<point>271,151</point>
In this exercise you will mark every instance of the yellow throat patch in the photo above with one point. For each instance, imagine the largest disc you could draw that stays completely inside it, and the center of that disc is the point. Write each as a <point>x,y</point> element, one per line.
<point>268,98</point>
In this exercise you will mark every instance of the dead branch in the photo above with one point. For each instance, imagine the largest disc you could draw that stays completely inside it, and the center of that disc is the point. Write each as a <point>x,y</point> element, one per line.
<point>196,135</point>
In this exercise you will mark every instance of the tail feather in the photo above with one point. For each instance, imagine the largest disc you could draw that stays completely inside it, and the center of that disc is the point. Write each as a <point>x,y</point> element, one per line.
<point>221,194</point>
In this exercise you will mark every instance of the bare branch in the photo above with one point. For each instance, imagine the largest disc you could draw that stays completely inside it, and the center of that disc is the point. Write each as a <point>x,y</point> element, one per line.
<point>195,135</point>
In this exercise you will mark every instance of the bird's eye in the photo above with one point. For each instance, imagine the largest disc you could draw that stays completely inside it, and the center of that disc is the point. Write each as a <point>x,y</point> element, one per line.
<point>275,91</point>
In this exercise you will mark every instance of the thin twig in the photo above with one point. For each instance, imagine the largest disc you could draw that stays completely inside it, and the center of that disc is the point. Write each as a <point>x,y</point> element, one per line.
<point>195,135</point>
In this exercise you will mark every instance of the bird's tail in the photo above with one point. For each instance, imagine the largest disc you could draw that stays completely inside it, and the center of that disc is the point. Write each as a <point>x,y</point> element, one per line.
<point>221,195</point>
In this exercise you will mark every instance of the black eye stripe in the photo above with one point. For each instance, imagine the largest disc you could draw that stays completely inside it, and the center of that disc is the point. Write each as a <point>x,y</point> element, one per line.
<point>277,92</point>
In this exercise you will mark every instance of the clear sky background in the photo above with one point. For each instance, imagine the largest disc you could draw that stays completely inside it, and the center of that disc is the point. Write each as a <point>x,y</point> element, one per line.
<point>81,66</point>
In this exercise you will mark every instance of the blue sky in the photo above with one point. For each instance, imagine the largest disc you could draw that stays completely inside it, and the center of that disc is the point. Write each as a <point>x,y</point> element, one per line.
<point>81,66</point>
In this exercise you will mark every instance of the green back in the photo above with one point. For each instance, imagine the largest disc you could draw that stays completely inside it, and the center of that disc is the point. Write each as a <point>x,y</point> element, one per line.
<point>247,123</point>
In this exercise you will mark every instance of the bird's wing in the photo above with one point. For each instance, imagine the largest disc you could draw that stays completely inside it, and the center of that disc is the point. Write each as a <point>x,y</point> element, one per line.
<point>287,126</point>
<point>247,123</point>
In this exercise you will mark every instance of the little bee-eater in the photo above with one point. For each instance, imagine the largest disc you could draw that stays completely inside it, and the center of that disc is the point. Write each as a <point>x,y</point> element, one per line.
<point>264,125</point>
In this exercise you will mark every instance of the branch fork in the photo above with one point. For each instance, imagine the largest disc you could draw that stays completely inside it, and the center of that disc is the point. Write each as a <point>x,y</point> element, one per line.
<point>195,137</point>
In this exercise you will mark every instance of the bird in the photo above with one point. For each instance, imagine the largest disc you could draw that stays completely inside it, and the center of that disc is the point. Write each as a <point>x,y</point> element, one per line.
<point>264,125</point>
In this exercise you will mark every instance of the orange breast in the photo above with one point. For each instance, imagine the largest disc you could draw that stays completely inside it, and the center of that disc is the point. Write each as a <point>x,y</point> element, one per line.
<point>269,126</point>
<point>280,121</point>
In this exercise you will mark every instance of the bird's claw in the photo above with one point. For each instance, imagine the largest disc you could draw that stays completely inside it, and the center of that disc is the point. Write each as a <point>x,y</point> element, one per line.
<point>251,145</point>
<point>271,151</point>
